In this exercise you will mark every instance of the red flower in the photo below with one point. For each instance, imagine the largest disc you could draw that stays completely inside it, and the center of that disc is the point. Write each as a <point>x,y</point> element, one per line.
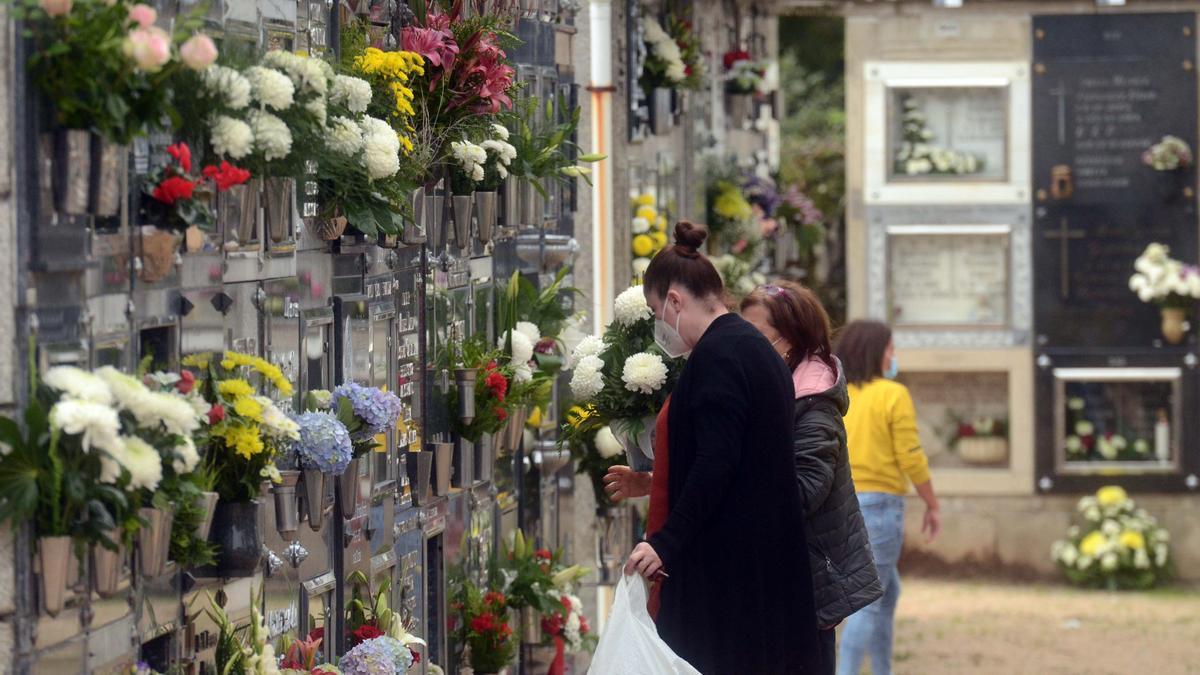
<point>215,415</point>
<point>172,189</point>
<point>416,656</point>
<point>965,430</point>
<point>186,382</point>
<point>484,623</point>
<point>501,414</point>
<point>367,632</point>
<point>584,629</point>
<point>498,384</point>
<point>543,554</point>
<point>495,599</point>
<point>182,154</point>
<point>226,176</point>
<point>733,57</point>
<point>545,345</point>
<point>490,366</point>
<point>552,624</point>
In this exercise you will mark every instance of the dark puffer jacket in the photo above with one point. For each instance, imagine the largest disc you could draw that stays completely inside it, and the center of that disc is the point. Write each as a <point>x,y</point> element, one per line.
<point>844,575</point>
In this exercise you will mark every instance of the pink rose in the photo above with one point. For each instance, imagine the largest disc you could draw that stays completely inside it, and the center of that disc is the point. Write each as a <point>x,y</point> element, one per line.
<point>56,7</point>
<point>150,48</point>
<point>198,52</point>
<point>143,15</point>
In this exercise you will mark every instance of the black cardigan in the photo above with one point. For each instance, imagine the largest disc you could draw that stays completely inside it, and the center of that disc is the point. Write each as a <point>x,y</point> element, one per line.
<point>739,595</point>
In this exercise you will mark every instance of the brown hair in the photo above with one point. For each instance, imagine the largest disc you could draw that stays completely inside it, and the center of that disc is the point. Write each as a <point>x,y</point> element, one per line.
<point>800,318</point>
<point>861,346</point>
<point>683,264</point>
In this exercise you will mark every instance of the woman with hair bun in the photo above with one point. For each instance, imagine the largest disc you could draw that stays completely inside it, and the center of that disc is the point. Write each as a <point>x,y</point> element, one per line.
<point>732,556</point>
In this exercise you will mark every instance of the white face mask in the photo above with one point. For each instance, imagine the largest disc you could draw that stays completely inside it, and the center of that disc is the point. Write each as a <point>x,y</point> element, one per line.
<point>667,338</point>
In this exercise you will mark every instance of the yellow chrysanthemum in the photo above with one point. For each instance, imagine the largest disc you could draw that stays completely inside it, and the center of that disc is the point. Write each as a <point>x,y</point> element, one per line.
<point>235,388</point>
<point>1092,544</point>
<point>405,143</point>
<point>249,408</point>
<point>643,245</point>
<point>196,361</point>
<point>228,364</point>
<point>1135,541</point>
<point>245,441</point>
<point>731,205</point>
<point>1111,495</point>
<point>648,212</point>
<point>644,199</point>
<point>578,415</point>
<point>659,238</point>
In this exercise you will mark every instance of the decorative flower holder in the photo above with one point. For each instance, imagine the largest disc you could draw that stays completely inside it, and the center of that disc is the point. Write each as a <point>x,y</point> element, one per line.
<point>661,119</point>
<point>107,565</point>
<point>420,471</point>
<point>314,498</point>
<point>983,449</point>
<point>464,379</point>
<point>348,489</point>
<point>443,460</point>
<point>331,229</point>
<point>485,215</point>
<point>485,459</point>
<point>287,514</point>
<point>54,554</point>
<point>278,195</point>
<point>463,210</point>
<point>236,534</point>
<point>1174,324</point>
<point>108,163</point>
<point>738,106</point>
<point>464,463</point>
<point>154,539</point>
<point>509,438</point>
<point>435,219</point>
<point>72,171</point>
<point>531,626</point>
<point>237,209</point>
<point>551,458</point>
<point>638,443</point>
<point>513,189</point>
<point>208,502</point>
<point>414,230</point>
<point>547,254</point>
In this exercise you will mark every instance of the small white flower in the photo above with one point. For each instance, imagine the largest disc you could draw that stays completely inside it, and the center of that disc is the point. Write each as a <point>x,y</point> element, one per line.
<point>271,88</point>
<point>1084,428</point>
<point>1109,561</point>
<point>344,136</point>
<point>631,307</point>
<point>591,345</point>
<point>522,346</point>
<point>352,92</point>
<point>271,136</point>
<point>500,131</point>
<point>1092,514</point>
<point>381,148</point>
<point>228,84</point>
<point>641,226</point>
<point>306,74</point>
<point>522,373</point>
<point>231,137</point>
<point>644,373</point>
<point>1141,560</point>
<point>477,173</point>
<point>316,108</point>
<point>96,423</point>
<point>588,378</point>
<point>77,383</point>
<point>640,265</point>
<point>607,444</point>
<point>529,330</point>
<point>275,422</point>
<point>143,463</point>
<point>186,457</point>
<point>1110,528</point>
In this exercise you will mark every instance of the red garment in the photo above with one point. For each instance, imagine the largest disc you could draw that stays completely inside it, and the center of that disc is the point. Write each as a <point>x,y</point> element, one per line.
<point>657,516</point>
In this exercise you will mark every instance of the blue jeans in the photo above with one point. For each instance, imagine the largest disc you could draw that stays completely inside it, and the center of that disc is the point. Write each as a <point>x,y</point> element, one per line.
<point>868,631</point>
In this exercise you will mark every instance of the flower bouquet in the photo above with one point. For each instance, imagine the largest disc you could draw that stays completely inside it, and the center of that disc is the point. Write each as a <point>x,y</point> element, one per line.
<point>533,580</point>
<point>917,156</point>
<point>371,619</point>
<point>490,387</point>
<point>567,629</point>
<point>546,149</point>
<point>623,378</point>
<point>743,75</point>
<point>177,199</point>
<point>1168,283</point>
<point>1084,441</point>
<point>1118,545</point>
<point>982,440</point>
<point>1170,154</point>
<point>649,228</point>
<point>485,629</point>
<point>595,452</point>
<point>364,412</point>
<point>250,654</point>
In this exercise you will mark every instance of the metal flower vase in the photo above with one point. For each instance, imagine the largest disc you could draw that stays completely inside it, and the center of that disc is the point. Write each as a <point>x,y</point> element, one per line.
<point>420,473</point>
<point>108,164</point>
<point>661,119</point>
<point>485,216</point>
<point>512,202</point>
<point>443,460</point>
<point>238,539</point>
<point>464,464</point>
<point>154,539</point>
<point>54,556</point>
<point>72,171</point>
<point>463,210</point>
<point>435,228</point>
<point>107,564</point>
<point>287,514</point>
<point>331,228</point>
<point>464,379</point>
<point>637,437</point>
<point>208,502</point>
<point>414,228</point>
<point>509,438</point>
<point>531,626</point>
<point>348,489</point>
<point>314,497</point>
<point>1174,324</point>
<point>278,195</point>
<point>485,458</point>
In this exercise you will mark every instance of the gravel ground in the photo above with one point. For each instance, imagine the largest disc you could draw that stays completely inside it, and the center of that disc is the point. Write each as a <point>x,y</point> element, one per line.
<point>969,627</point>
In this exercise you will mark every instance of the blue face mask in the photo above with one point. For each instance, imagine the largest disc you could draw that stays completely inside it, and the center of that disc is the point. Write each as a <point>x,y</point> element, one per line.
<point>893,369</point>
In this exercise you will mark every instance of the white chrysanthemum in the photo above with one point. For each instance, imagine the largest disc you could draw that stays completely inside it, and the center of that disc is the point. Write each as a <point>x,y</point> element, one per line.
<point>305,73</point>
<point>352,92</point>
<point>344,136</point>
<point>127,391</point>
<point>477,173</point>
<point>186,457</point>
<point>229,85</point>
<point>653,32</point>
<point>522,346</point>
<point>503,152</point>
<point>641,226</point>
<point>588,380</point>
<point>271,88</point>
<point>501,171</point>
<point>271,135</point>
<point>199,405</point>
<point>316,108</point>
<point>96,423</point>
<point>522,373</point>
<point>591,345</point>
<point>173,411</point>
<point>630,306</point>
<point>644,373</point>
<point>143,463</point>
<point>640,265</point>
<point>607,444</point>
<point>275,422</point>
<point>676,71</point>
<point>381,148</point>
<point>529,330</point>
<point>79,384</point>
<point>231,137</point>
<point>500,131</point>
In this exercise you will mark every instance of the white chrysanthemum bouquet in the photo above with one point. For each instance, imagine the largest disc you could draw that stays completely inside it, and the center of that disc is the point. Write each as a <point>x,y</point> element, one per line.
<point>1163,280</point>
<point>1119,546</point>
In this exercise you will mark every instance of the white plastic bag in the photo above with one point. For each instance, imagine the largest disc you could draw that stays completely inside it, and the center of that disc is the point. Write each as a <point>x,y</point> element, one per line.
<point>630,644</point>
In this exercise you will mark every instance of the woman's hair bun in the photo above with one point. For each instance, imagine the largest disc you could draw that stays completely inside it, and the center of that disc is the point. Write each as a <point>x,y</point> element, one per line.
<point>690,235</point>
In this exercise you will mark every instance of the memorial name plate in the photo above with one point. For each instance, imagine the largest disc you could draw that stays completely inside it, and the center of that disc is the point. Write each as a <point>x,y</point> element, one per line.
<point>948,275</point>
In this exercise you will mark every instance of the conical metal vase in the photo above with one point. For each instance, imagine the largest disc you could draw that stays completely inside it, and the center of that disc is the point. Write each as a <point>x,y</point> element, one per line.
<point>414,230</point>
<point>510,436</point>
<point>107,565</point>
<point>314,498</point>
<point>464,378</point>
<point>348,489</point>
<point>107,170</point>
<point>485,215</point>
<point>54,555</point>
<point>443,460</point>
<point>462,220</point>
<point>287,514</point>
<point>435,224</point>
<point>72,171</point>
<point>208,502</point>
<point>154,539</point>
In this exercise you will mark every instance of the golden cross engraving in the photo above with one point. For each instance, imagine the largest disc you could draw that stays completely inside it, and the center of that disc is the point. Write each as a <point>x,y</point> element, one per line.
<point>1064,235</point>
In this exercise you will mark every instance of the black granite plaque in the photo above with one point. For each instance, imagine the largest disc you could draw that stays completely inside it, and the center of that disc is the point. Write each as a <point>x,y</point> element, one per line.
<point>1106,88</point>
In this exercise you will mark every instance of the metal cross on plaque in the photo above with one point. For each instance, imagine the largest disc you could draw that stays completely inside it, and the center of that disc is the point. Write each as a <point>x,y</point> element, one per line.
<point>1064,235</point>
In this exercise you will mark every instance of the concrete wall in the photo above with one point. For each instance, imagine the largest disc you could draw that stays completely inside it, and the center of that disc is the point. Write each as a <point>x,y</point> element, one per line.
<point>8,293</point>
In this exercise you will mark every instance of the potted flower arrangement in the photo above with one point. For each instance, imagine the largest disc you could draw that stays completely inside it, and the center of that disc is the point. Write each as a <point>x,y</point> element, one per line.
<point>623,378</point>
<point>370,619</point>
<point>103,66</point>
<point>533,581</point>
<point>1085,441</point>
<point>485,629</point>
<point>1170,154</point>
<point>177,199</point>
<point>323,449</point>
<point>666,69</point>
<point>1170,284</point>
<point>649,228</point>
<point>982,440</point>
<point>246,433</point>
<point>1118,545</point>
<point>917,156</point>
<point>744,78</point>
<point>567,629</point>
<point>242,650</point>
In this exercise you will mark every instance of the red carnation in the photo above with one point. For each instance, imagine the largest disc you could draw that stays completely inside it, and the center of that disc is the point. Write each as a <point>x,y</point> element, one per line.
<point>182,154</point>
<point>317,633</point>
<point>543,554</point>
<point>545,346</point>
<point>172,189</point>
<point>216,413</point>
<point>484,623</point>
<point>498,384</point>
<point>494,598</point>
<point>965,430</point>
<point>501,414</point>
<point>583,625</point>
<point>186,382</point>
<point>226,176</point>
<point>733,57</point>
<point>367,632</point>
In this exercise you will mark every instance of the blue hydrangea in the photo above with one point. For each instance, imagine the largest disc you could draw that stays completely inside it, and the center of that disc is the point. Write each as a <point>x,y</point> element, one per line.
<point>377,409</point>
<point>379,656</point>
<point>324,443</point>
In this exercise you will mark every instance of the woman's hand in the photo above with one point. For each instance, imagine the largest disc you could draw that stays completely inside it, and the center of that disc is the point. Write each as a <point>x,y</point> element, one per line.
<point>622,482</point>
<point>644,561</point>
<point>931,525</point>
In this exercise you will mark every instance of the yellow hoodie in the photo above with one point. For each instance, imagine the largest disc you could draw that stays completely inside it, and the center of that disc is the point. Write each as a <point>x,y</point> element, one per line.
<point>881,432</point>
